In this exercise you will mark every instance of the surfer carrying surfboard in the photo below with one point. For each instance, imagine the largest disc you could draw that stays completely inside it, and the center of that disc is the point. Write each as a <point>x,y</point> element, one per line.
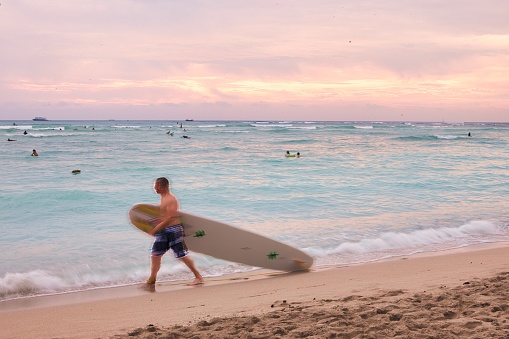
<point>169,234</point>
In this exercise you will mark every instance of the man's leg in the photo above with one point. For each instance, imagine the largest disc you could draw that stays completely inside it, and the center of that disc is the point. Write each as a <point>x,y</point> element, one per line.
<point>198,279</point>
<point>155,265</point>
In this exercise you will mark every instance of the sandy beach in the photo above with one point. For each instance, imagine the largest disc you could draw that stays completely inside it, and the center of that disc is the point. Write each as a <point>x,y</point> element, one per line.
<point>460,294</point>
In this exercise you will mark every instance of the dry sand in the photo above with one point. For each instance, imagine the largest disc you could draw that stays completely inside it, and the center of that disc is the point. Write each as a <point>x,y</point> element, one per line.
<point>453,295</point>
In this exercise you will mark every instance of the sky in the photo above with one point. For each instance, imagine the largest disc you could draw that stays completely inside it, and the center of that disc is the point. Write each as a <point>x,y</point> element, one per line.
<point>355,60</point>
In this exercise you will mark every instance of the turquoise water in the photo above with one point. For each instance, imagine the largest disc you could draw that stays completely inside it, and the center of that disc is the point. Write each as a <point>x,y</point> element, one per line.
<point>361,191</point>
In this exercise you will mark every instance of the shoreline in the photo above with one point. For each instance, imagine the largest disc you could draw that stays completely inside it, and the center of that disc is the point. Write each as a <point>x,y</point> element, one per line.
<point>132,290</point>
<point>124,291</point>
<point>231,301</point>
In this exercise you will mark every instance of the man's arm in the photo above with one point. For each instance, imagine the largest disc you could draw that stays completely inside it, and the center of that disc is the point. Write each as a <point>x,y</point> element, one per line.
<point>169,213</point>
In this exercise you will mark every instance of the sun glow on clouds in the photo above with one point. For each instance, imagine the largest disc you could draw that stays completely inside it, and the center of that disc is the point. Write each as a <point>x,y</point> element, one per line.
<point>413,53</point>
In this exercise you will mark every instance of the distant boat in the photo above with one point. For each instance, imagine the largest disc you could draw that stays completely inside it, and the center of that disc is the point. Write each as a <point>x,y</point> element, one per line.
<point>40,119</point>
<point>189,119</point>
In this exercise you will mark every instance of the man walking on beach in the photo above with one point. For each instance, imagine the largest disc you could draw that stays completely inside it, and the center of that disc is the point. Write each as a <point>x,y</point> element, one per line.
<point>169,233</point>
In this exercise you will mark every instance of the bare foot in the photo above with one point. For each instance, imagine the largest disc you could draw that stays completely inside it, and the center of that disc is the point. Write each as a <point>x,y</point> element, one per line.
<point>196,282</point>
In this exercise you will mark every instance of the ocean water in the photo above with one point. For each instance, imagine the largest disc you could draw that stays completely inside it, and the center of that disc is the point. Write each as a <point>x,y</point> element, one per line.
<point>362,191</point>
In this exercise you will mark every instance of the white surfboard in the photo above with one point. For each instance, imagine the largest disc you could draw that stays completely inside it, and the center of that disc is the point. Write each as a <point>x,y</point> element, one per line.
<point>227,242</point>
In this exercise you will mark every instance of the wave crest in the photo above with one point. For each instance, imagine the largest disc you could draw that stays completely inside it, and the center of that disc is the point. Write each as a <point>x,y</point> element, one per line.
<point>421,238</point>
<point>22,284</point>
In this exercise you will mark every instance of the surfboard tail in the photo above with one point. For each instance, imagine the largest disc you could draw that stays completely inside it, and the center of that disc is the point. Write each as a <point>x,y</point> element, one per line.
<point>304,266</point>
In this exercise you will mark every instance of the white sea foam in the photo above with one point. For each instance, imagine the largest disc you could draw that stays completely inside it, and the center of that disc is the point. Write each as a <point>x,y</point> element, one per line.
<point>398,240</point>
<point>41,282</point>
<point>37,281</point>
<point>126,126</point>
<point>447,137</point>
<point>61,128</point>
<point>269,125</point>
<point>302,127</point>
<point>211,126</point>
<point>43,135</point>
<point>15,127</point>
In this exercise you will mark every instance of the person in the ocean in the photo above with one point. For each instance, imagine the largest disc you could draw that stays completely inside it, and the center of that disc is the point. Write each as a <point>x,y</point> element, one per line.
<point>169,234</point>
<point>25,132</point>
<point>34,153</point>
<point>469,134</point>
<point>9,139</point>
<point>298,154</point>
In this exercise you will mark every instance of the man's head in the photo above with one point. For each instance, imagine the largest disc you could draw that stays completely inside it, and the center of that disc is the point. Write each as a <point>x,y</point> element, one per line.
<point>161,185</point>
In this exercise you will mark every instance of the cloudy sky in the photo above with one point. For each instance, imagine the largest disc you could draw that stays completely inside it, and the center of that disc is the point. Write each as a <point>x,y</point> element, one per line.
<point>412,60</point>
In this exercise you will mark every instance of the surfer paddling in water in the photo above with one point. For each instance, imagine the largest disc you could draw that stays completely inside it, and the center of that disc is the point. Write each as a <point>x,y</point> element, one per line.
<point>169,234</point>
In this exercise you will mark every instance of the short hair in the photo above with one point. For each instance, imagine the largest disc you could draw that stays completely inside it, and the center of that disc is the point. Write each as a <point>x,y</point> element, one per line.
<point>163,182</point>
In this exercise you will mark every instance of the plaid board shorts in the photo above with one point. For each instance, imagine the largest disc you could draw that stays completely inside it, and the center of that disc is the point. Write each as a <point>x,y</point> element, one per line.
<point>170,237</point>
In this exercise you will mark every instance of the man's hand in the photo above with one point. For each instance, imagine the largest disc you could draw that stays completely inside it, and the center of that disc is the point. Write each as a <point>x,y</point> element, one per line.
<point>155,222</point>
